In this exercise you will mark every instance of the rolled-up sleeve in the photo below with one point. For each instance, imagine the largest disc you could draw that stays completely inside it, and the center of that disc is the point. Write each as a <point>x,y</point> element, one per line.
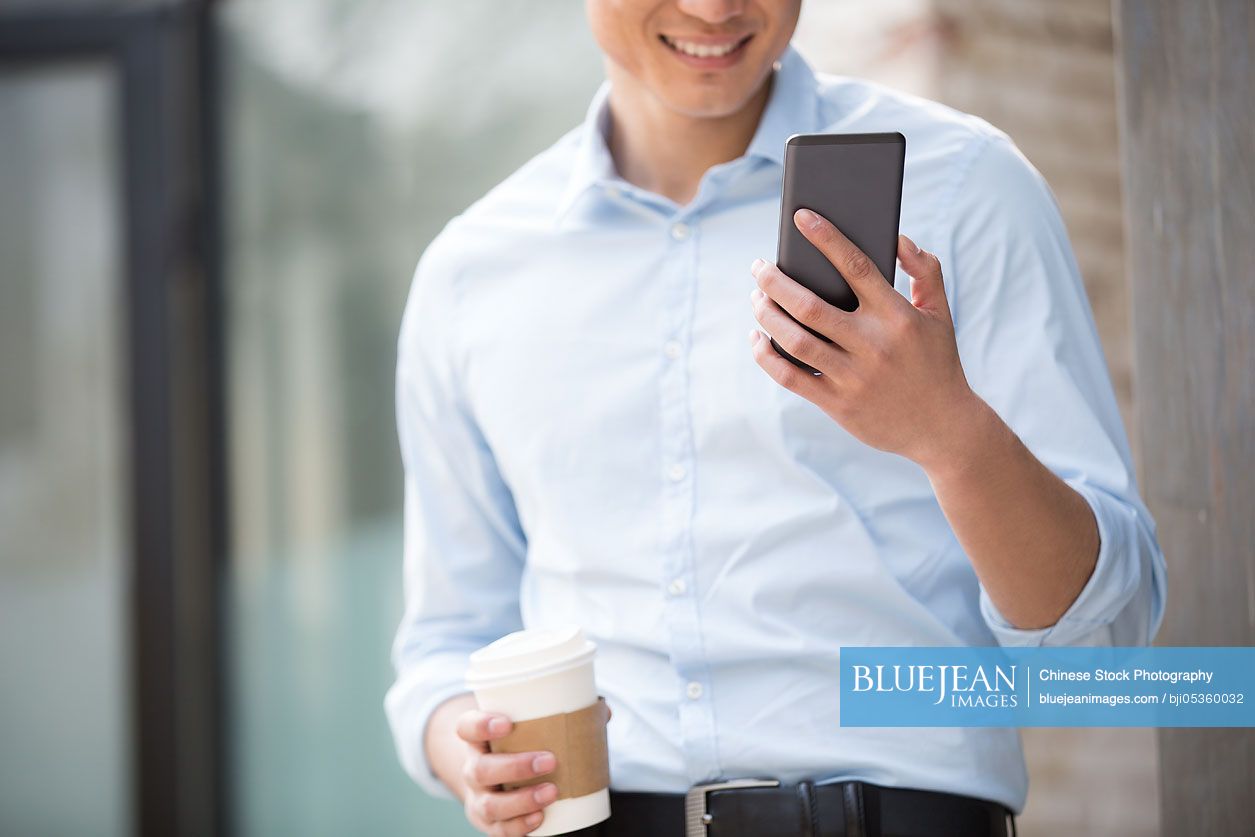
<point>463,544</point>
<point>1030,348</point>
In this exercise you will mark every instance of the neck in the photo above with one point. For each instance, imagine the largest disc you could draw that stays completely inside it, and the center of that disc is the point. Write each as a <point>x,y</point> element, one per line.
<point>667,152</point>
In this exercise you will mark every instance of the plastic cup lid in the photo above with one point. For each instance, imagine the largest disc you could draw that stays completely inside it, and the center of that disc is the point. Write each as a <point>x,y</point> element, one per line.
<point>529,653</point>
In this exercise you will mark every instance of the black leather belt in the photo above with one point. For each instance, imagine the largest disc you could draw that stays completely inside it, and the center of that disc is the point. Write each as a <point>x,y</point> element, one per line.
<point>765,808</point>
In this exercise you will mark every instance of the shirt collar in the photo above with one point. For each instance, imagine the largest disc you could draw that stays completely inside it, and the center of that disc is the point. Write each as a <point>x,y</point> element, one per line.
<point>592,156</point>
<point>793,107</point>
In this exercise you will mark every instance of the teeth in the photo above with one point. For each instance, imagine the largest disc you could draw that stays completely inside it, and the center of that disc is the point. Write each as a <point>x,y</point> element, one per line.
<point>700,50</point>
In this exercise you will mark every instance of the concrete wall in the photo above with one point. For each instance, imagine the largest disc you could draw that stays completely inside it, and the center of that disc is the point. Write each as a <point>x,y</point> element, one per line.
<point>1188,142</point>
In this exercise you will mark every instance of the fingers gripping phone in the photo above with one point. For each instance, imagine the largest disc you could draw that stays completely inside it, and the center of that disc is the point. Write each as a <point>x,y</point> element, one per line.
<point>853,180</point>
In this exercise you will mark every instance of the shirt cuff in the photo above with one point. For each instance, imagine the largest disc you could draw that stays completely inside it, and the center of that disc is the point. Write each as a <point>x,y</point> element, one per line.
<point>1108,589</point>
<point>410,703</point>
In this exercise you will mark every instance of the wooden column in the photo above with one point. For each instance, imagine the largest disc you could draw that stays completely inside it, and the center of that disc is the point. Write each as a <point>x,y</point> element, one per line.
<point>1187,119</point>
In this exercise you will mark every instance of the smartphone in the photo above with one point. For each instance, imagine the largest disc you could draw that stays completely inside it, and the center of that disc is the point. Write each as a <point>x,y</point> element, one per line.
<point>853,180</point>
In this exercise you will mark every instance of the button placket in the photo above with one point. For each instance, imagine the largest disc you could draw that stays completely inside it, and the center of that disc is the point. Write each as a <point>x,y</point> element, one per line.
<point>678,487</point>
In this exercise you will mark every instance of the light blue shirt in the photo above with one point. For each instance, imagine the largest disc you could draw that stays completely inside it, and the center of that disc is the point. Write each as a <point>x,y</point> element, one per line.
<point>587,439</point>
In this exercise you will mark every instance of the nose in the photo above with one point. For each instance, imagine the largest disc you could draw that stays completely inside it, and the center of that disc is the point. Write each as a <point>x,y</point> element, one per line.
<point>712,11</point>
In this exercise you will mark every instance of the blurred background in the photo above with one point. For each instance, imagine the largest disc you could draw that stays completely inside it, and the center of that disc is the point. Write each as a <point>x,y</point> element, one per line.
<point>209,216</point>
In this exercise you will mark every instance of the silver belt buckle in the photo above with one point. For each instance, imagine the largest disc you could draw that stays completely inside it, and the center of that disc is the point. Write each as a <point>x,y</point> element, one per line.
<point>696,818</point>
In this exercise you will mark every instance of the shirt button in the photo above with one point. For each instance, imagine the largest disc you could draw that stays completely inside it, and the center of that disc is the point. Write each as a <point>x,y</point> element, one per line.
<point>676,472</point>
<point>679,231</point>
<point>693,690</point>
<point>613,191</point>
<point>677,587</point>
<point>671,348</point>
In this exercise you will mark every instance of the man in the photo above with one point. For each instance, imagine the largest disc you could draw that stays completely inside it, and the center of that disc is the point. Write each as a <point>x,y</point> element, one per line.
<point>587,438</point>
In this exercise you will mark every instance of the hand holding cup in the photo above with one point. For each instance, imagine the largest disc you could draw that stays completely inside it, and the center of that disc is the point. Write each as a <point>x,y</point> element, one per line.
<point>540,682</point>
<point>498,812</point>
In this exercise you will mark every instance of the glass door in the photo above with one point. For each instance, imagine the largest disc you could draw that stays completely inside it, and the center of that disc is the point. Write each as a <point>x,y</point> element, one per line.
<point>109,498</point>
<point>64,470</point>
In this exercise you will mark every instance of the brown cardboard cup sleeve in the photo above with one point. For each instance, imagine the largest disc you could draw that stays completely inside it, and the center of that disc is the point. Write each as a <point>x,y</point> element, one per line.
<point>578,742</point>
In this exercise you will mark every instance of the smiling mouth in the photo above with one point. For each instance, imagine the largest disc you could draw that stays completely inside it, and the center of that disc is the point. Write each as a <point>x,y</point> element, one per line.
<point>698,50</point>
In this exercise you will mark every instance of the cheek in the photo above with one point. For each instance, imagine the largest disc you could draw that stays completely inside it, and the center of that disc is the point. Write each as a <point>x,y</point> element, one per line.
<point>780,23</point>
<point>780,17</point>
<point>617,28</point>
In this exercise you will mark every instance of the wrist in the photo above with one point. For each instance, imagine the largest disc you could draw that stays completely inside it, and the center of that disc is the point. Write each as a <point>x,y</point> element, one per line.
<point>443,749</point>
<point>962,438</point>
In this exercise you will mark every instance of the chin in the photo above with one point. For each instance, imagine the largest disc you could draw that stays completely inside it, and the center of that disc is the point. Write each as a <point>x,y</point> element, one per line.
<point>707,101</point>
<point>709,94</point>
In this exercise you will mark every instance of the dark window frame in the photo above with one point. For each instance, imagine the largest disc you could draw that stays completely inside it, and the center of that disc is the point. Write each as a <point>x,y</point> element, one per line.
<point>165,58</point>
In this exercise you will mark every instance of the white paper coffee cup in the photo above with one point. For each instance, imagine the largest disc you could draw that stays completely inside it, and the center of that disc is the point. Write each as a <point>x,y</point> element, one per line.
<point>533,674</point>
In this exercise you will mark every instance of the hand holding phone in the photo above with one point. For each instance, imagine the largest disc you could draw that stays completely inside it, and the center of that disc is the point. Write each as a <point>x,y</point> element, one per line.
<point>883,365</point>
<point>853,180</point>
